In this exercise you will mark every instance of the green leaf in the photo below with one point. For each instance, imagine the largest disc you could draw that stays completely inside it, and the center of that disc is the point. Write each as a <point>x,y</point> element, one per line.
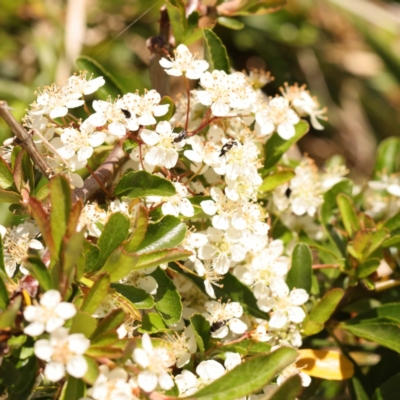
<point>276,146</point>
<point>84,323</point>
<point>139,230</point>
<point>96,294</point>
<point>153,323</point>
<point>365,243</point>
<point>274,180</point>
<point>60,194</point>
<point>105,339</point>
<point>154,259</point>
<point>6,175</point>
<point>389,311</point>
<point>230,23</point>
<point>119,264</point>
<point>110,88</point>
<point>389,390</point>
<point>7,318</point>
<point>248,377</point>
<point>139,297</point>
<point>393,223</point>
<point>104,352</point>
<point>391,241</point>
<point>201,329</point>
<point>4,298</point>
<point>300,273</point>
<point>92,372</point>
<point>249,347</point>
<point>329,205</point>
<point>387,157</point>
<point>38,270</point>
<point>348,213</point>
<point>168,300</point>
<point>324,309</point>
<point>165,234</point>
<point>379,330</point>
<point>114,233</point>
<point>9,197</point>
<point>289,390</point>
<point>215,52</point>
<point>112,321</point>
<point>177,16</point>
<point>72,250</point>
<point>2,266</point>
<point>73,389</point>
<point>368,267</point>
<point>171,109</point>
<point>142,184</point>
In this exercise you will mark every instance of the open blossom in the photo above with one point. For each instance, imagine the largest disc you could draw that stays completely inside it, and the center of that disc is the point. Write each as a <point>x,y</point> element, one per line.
<point>284,304</point>
<point>143,109</point>
<point>224,318</point>
<point>184,63</point>
<point>163,151</point>
<point>389,183</point>
<point>63,353</point>
<point>211,277</point>
<point>183,346</point>
<point>49,315</point>
<point>277,116</point>
<point>16,243</point>
<point>112,385</point>
<point>154,363</point>
<point>79,84</point>
<point>225,92</point>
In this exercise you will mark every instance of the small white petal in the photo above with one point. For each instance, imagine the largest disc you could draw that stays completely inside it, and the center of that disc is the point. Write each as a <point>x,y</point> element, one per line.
<point>77,366</point>
<point>54,371</point>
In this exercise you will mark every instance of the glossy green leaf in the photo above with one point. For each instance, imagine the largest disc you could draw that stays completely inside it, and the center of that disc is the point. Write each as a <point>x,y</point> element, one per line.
<point>390,311</point>
<point>379,330</point>
<point>274,180</point>
<point>230,23</point>
<point>92,372</point>
<point>139,230</point>
<point>142,184</point>
<point>105,339</point>
<point>38,270</point>
<point>387,157</point>
<point>389,390</point>
<point>243,380</point>
<point>201,329</point>
<point>366,242</point>
<point>289,389</point>
<point>300,272</point>
<point>165,234</point>
<point>6,175</point>
<point>74,388</point>
<point>324,309</point>
<point>4,298</point>
<point>368,267</point>
<point>112,321</point>
<point>7,318</point>
<point>153,323</point>
<point>348,213</point>
<point>168,300</point>
<point>7,196</point>
<point>155,258</point>
<point>84,323</point>
<point>276,146</point>
<point>215,52</point>
<point>110,88</point>
<point>119,264</point>
<point>139,297</point>
<point>114,233</point>
<point>96,294</point>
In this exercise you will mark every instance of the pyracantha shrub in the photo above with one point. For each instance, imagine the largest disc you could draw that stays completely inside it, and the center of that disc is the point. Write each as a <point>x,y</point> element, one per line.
<point>199,259</point>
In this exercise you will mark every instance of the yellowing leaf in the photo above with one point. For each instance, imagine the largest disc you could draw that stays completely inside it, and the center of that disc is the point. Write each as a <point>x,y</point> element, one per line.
<point>325,364</point>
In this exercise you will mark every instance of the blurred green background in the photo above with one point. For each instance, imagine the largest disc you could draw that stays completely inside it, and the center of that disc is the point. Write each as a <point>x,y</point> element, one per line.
<point>345,51</point>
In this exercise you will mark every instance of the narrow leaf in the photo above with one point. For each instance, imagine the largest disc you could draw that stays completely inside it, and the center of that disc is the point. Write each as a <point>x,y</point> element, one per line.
<point>7,318</point>
<point>112,321</point>
<point>201,328</point>
<point>288,390</point>
<point>140,298</point>
<point>324,309</point>
<point>276,179</point>
<point>300,273</point>
<point>119,264</point>
<point>215,52</point>
<point>96,294</point>
<point>6,175</point>
<point>7,196</point>
<point>73,389</point>
<point>153,323</point>
<point>348,213</point>
<point>139,230</point>
<point>39,271</point>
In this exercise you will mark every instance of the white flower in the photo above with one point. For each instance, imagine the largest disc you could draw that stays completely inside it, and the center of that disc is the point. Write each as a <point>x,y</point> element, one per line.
<point>79,84</point>
<point>144,108</point>
<point>154,363</point>
<point>225,92</point>
<point>91,217</point>
<point>183,346</point>
<point>389,183</point>
<point>232,360</point>
<point>184,64</point>
<point>210,370</point>
<point>142,280</point>
<point>163,151</point>
<point>187,383</point>
<point>277,115</point>
<point>112,385</point>
<point>16,243</point>
<point>49,315</point>
<point>224,318</point>
<point>63,353</point>
<point>285,305</point>
<point>211,277</point>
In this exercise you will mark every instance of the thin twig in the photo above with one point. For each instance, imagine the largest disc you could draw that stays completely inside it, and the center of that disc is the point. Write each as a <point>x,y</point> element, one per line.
<point>24,139</point>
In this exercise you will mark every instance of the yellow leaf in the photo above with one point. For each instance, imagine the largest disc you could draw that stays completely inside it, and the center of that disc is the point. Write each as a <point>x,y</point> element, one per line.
<point>325,364</point>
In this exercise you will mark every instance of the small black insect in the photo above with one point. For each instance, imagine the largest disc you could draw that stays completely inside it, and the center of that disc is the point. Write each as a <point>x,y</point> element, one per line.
<point>217,325</point>
<point>126,113</point>
<point>227,146</point>
<point>288,192</point>
<point>180,137</point>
